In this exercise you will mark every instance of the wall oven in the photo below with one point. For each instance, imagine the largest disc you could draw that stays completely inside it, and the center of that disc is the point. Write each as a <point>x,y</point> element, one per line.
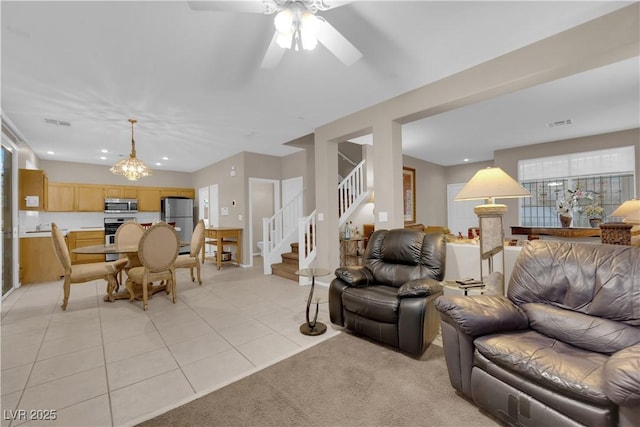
<point>120,205</point>
<point>110,227</point>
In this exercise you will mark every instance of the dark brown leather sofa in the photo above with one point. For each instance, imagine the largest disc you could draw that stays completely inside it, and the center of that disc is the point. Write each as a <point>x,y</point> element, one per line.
<point>391,297</point>
<point>562,348</point>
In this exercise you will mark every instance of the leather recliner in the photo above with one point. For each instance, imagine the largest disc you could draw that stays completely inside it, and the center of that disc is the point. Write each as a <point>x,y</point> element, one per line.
<point>562,348</point>
<point>391,297</point>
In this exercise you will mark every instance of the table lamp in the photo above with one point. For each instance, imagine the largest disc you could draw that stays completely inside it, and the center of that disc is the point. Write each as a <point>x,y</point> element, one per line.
<point>630,212</point>
<point>490,184</point>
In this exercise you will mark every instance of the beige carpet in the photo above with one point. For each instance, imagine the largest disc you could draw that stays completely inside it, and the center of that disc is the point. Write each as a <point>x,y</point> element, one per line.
<point>344,381</point>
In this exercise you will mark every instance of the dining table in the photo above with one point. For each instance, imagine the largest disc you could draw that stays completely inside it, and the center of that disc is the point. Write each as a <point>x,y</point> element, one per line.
<point>131,251</point>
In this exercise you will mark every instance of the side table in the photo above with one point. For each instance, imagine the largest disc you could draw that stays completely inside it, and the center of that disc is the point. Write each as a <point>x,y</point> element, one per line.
<point>450,287</point>
<point>315,327</point>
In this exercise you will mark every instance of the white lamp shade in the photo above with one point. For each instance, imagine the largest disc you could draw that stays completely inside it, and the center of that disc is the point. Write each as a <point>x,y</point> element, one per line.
<point>492,183</point>
<point>629,210</point>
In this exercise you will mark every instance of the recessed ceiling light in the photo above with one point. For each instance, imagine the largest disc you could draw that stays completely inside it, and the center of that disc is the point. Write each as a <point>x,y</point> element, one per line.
<point>465,160</point>
<point>158,164</point>
<point>165,158</point>
<point>103,158</point>
<point>104,150</point>
<point>51,152</point>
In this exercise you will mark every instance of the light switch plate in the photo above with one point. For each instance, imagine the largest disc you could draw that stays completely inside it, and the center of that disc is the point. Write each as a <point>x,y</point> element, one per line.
<point>383,216</point>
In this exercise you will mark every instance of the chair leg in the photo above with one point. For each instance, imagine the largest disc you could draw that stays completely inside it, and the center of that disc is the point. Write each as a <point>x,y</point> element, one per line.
<point>129,285</point>
<point>198,271</point>
<point>112,285</point>
<point>174,288</point>
<point>145,294</point>
<point>66,288</point>
<point>193,279</point>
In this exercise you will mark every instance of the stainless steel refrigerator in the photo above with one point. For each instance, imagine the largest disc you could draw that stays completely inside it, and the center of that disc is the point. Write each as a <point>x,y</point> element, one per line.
<point>180,211</point>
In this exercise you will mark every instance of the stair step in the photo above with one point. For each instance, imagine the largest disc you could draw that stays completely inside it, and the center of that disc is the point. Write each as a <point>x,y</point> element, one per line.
<point>287,271</point>
<point>294,247</point>
<point>290,258</point>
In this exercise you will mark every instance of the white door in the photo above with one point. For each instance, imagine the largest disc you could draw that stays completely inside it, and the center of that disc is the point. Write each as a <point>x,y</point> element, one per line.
<point>203,205</point>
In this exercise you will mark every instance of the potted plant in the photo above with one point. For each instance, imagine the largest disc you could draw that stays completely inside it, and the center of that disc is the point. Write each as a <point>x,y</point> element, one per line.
<point>564,208</point>
<point>594,213</point>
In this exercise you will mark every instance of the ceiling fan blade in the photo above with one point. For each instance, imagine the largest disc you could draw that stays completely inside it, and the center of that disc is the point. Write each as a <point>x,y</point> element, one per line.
<point>273,55</point>
<point>228,6</point>
<point>338,44</point>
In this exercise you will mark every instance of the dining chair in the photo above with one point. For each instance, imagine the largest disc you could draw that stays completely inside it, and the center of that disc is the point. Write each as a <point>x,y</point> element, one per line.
<point>191,259</point>
<point>129,233</point>
<point>157,251</point>
<point>81,273</point>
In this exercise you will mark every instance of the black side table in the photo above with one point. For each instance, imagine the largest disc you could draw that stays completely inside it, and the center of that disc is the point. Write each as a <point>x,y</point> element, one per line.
<point>315,327</point>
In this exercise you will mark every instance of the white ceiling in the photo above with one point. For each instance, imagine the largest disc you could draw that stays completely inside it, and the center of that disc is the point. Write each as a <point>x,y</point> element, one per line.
<point>192,78</point>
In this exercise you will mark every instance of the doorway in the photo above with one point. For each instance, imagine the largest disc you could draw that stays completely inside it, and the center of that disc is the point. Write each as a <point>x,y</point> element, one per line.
<point>208,210</point>
<point>264,201</point>
<point>9,246</point>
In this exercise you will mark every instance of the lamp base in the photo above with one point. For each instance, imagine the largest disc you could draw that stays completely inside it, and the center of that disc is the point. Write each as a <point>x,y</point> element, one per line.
<point>490,209</point>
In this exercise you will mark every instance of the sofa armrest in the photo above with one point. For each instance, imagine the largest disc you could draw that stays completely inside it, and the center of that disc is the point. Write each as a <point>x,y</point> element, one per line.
<point>622,376</point>
<point>482,314</point>
<point>419,288</point>
<point>355,276</point>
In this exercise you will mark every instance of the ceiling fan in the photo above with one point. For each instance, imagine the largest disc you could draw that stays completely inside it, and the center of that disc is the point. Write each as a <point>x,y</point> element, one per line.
<point>297,26</point>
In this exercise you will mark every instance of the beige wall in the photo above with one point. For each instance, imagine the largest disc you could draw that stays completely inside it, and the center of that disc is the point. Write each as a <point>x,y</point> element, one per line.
<point>508,159</point>
<point>302,164</point>
<point>458,174</point>
<point>96,174</point>
<point>431,191</point>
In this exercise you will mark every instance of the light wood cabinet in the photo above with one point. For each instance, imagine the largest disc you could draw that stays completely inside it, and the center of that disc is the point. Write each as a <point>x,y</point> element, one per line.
<point>148,199</point>
<point>120,192</point>
<point>32,183</point>
<point>60,197</point>
<point>80,239</point>
<point>89,198</point>
<point>189,193</point>
<point>38,261</point>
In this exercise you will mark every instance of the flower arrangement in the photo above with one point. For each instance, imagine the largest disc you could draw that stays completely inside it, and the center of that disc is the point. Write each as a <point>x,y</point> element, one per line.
<point>571,199</point>
<point>594,211</point>
<point>564,207</point>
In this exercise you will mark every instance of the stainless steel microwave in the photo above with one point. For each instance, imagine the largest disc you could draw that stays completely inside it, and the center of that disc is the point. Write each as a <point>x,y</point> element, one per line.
<point>120,205</point>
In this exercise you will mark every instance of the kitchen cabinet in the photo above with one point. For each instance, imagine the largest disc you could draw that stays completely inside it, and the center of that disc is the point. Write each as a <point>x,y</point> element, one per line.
<point>60,197</point>
<point>89,198</point>
<point>189,193</point>
<point>120,192</point>
<point>32,184</point>
<point>148,199</point>
<point>38,261</point>
<point>80,239</point>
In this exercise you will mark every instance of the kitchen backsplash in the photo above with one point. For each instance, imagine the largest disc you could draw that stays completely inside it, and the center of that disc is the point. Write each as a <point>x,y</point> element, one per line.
<point>29,220</point>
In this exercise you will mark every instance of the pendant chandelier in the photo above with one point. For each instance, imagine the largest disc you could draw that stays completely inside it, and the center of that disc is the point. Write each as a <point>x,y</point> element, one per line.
<point>132,168</point>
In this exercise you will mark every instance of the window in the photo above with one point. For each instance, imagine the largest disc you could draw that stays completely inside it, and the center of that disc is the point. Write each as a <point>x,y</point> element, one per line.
<point>604,178</point>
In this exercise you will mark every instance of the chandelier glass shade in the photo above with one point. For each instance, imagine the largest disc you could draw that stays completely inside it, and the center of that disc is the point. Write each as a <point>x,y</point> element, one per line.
<point>131,168</point>
<point>297,28</point>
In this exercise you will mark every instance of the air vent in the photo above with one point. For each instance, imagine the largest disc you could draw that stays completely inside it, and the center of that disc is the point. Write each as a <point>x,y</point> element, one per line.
<point>560,123</point>
<point>57,122</point>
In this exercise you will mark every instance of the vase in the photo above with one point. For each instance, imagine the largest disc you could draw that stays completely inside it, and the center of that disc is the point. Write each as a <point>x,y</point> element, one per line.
<point>565,221</point>
<point>595,222</point>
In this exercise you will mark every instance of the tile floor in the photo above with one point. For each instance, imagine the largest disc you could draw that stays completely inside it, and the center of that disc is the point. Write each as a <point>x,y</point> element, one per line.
<point>112,364</point>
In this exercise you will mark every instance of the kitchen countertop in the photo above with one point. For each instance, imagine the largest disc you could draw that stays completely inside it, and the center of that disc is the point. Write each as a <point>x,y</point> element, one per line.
<point>65,231</point>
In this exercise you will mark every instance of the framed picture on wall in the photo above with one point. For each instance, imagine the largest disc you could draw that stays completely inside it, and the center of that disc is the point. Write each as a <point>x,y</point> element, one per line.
<point>409,194</point>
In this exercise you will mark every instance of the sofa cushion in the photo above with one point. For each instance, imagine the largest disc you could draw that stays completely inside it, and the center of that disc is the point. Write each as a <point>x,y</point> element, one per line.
<point>553,364</point>
<point>598,280</point>
<point>378,303</point>
<point>581,330</point>
<point>419,288</point>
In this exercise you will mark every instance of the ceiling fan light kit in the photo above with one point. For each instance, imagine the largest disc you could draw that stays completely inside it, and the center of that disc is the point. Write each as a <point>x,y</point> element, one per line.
<point>297,28</point>
<point>131,168</point>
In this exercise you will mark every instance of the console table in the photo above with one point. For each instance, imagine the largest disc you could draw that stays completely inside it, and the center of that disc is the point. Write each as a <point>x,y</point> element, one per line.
<point>220,237</point>
<point>534,232</point>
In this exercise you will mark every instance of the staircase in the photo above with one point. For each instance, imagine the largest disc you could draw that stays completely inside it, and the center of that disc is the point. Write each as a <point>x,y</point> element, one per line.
<point>289,265</point>
<point>280,229</point>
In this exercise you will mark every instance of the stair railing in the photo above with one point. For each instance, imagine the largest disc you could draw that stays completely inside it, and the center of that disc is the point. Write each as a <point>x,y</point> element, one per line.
<point>351,192</point>
<point>307,249</point>
<point>279,231</point>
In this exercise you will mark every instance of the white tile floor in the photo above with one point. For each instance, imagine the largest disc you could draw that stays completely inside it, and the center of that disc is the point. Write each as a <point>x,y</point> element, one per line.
<point>112,364</point>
